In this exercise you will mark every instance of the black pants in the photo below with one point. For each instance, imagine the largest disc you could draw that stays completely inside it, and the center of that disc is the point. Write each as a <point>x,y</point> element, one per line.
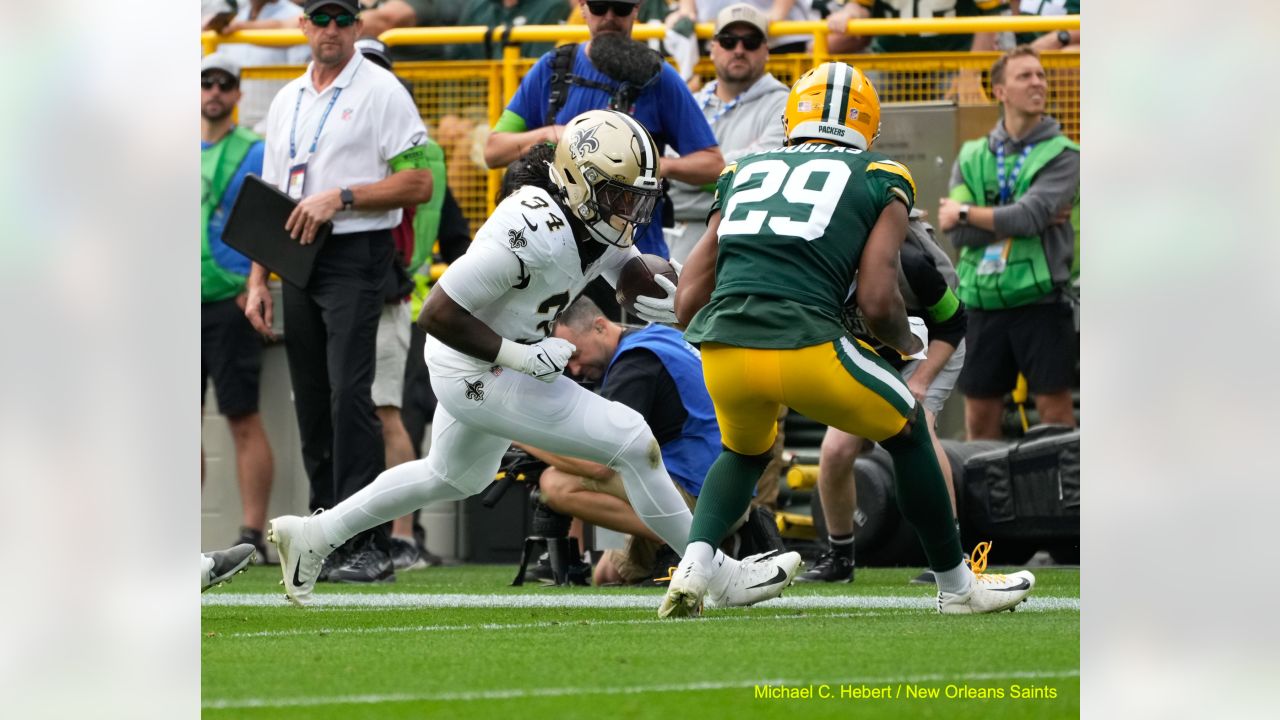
<point>331,329</point>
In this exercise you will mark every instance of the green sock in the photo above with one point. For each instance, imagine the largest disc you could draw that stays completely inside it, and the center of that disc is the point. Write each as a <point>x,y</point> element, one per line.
<point>725,495</point>
<point>923,497</point>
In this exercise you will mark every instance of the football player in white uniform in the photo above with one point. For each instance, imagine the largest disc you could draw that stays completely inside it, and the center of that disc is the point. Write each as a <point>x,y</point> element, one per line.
<point>497,371</point>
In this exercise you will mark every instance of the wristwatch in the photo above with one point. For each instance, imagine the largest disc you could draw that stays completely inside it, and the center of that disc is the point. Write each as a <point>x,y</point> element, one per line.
<point>964,214</point>
<point>348,198</point>
<point>1064,38</point>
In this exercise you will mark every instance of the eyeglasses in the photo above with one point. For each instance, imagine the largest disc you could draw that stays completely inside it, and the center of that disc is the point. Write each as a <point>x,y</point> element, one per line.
<point>225,85</point>
<point>620,9</point>
<point>749,42</point>
<point>321,20</point>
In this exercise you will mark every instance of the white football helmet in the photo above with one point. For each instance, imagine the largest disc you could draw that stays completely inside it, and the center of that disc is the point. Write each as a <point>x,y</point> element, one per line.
<point>606,166</point>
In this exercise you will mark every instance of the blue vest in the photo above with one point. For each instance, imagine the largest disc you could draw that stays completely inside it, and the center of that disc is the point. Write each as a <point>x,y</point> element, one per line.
<point>689,456</point>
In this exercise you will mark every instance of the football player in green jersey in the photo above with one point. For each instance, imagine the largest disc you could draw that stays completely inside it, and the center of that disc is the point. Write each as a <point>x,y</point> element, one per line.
<point>762,292</point>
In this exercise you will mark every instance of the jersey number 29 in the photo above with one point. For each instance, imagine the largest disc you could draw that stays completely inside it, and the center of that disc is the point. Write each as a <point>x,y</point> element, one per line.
<point>794,185</point>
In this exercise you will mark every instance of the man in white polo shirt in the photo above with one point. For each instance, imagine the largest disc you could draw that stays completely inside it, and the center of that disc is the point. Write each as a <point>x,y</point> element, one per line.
<point>346,140</point>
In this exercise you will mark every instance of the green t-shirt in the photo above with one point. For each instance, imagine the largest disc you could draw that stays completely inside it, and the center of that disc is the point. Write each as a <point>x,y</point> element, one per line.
<point>793,225</point>
<point>907,9</point>
<point>492,13</point>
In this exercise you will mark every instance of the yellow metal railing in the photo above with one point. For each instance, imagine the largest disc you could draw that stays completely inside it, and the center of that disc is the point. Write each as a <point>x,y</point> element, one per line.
<point>460,100</point>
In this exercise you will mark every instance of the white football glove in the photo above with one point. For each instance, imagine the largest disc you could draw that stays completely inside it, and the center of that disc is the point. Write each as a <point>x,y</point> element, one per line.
<point>660,310</point>
<point>918,329</point>
<point>544,360</point>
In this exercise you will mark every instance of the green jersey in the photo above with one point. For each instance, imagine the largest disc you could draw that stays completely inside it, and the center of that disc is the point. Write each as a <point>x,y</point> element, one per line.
<point>928,42</point>
<point>793,224</point>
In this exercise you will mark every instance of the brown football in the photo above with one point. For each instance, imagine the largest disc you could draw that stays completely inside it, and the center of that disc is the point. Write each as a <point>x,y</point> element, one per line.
<point>636,279</point>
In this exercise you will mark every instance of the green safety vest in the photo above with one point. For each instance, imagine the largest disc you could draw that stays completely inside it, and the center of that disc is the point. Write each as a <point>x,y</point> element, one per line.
<point>1026,276</point>
<point>218,164</point>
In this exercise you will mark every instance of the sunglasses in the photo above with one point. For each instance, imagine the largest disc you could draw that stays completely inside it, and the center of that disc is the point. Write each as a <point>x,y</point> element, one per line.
<point>224,85</point>
<point>321,20</point>
<point>620,9</point>
<point>749,42</point>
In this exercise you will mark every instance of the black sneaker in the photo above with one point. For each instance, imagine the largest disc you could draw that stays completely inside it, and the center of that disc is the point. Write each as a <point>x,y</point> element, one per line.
<point>332,561</point>
<point>665,563</point>
<point>405,555</point>
<point>366,565</point>
<point>254,538</point>
<point>829,567</point>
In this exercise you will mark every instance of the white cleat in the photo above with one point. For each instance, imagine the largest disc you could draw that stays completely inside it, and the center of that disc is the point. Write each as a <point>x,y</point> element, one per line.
<point>685,592</point>
<point>990,592</point>
<point>302,553</point>
<point>753,579</point>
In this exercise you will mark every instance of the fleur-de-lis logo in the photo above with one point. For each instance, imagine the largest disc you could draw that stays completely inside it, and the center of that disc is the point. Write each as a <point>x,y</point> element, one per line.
<point>516,236</point>
<point>475,390</point>
<point>585,141</point>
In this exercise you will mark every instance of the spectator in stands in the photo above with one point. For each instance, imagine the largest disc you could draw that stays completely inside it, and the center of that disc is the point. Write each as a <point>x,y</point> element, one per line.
<point>1009,214</point>
<point>262,15</point>
<point>1056,40</point>
<point>230,351</point>
<point>744,107</point>
<point>966,85</point>
<point>655,372</point>
<point>382,15</point>
<point>773,11</point>
<point>511,13</point>
<point>355,162</point>
<point>927,280</point>
<point>660,101</point>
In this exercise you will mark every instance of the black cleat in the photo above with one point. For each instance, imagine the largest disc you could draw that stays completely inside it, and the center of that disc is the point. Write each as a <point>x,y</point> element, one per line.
<point>829,567</point>
<point>254,538</point>
<point>405,555</point>
<point>366,565</point>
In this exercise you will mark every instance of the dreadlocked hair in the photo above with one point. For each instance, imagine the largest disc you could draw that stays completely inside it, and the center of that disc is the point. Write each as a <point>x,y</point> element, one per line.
<point>530,169</point>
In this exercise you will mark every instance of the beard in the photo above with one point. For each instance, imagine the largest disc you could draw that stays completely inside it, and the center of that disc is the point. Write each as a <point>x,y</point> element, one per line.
<point>215,111</point>
<point>741,73</point>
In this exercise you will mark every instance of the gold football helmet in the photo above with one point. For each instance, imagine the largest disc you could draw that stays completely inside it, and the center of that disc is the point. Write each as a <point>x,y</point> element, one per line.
<point>607,167</point>
<point>834,101</point>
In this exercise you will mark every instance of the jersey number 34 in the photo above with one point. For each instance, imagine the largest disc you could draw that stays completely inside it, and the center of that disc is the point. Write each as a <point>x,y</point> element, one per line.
<point>794,183</point>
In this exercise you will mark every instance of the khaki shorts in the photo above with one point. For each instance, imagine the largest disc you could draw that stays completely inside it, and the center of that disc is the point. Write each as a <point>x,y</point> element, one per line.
<point>391,355</point>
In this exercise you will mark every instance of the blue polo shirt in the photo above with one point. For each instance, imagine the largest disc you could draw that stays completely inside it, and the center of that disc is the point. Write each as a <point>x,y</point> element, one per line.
<point>666,109</point>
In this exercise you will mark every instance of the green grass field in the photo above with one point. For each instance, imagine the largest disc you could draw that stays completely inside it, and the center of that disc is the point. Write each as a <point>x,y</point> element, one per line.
<point>458,642</point>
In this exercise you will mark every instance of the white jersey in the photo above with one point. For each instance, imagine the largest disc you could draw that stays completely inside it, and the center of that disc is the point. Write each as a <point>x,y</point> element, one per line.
<point>520,272</point>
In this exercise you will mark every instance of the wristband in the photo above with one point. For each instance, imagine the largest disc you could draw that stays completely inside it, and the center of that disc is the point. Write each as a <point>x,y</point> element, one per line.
<point>510,354</point>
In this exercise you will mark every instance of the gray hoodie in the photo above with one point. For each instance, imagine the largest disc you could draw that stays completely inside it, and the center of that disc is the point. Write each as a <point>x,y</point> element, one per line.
<point>754,124</point>
<point>1053,188</point>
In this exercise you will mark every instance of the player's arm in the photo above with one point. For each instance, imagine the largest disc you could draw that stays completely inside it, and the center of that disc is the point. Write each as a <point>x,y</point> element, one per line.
<point>698,277</point>
<point>878,295</point>
<point>485,273</point>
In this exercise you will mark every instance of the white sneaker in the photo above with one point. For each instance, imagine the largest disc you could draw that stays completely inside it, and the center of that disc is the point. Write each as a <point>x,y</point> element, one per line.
<point>990,592</point>
<point>302,552</point>
<point>685,591</point>
<point>753,579</point>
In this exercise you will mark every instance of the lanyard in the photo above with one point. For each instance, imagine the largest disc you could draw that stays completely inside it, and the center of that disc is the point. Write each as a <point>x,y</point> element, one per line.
<point>1007,183</point>
<point>293,130</point>
<point>709,92</point>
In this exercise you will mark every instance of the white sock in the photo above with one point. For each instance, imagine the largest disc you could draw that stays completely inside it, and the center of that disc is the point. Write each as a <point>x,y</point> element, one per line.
<point>703,554</point>
<point>397,491</point>
<point>957,580</point>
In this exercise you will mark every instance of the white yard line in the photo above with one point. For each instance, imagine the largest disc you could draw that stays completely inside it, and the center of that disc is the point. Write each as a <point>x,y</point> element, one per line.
<point>553,599</point>
<point>521,693</point>
<point>570,623</point>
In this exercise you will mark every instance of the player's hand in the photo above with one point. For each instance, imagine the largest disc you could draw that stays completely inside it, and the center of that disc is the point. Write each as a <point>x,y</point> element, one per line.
<point>919,388</point>
<point>919,333</point>
<point>546,359</point>
<point>660,310</point>
<point>310,213</point>
<point>258,310</point>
